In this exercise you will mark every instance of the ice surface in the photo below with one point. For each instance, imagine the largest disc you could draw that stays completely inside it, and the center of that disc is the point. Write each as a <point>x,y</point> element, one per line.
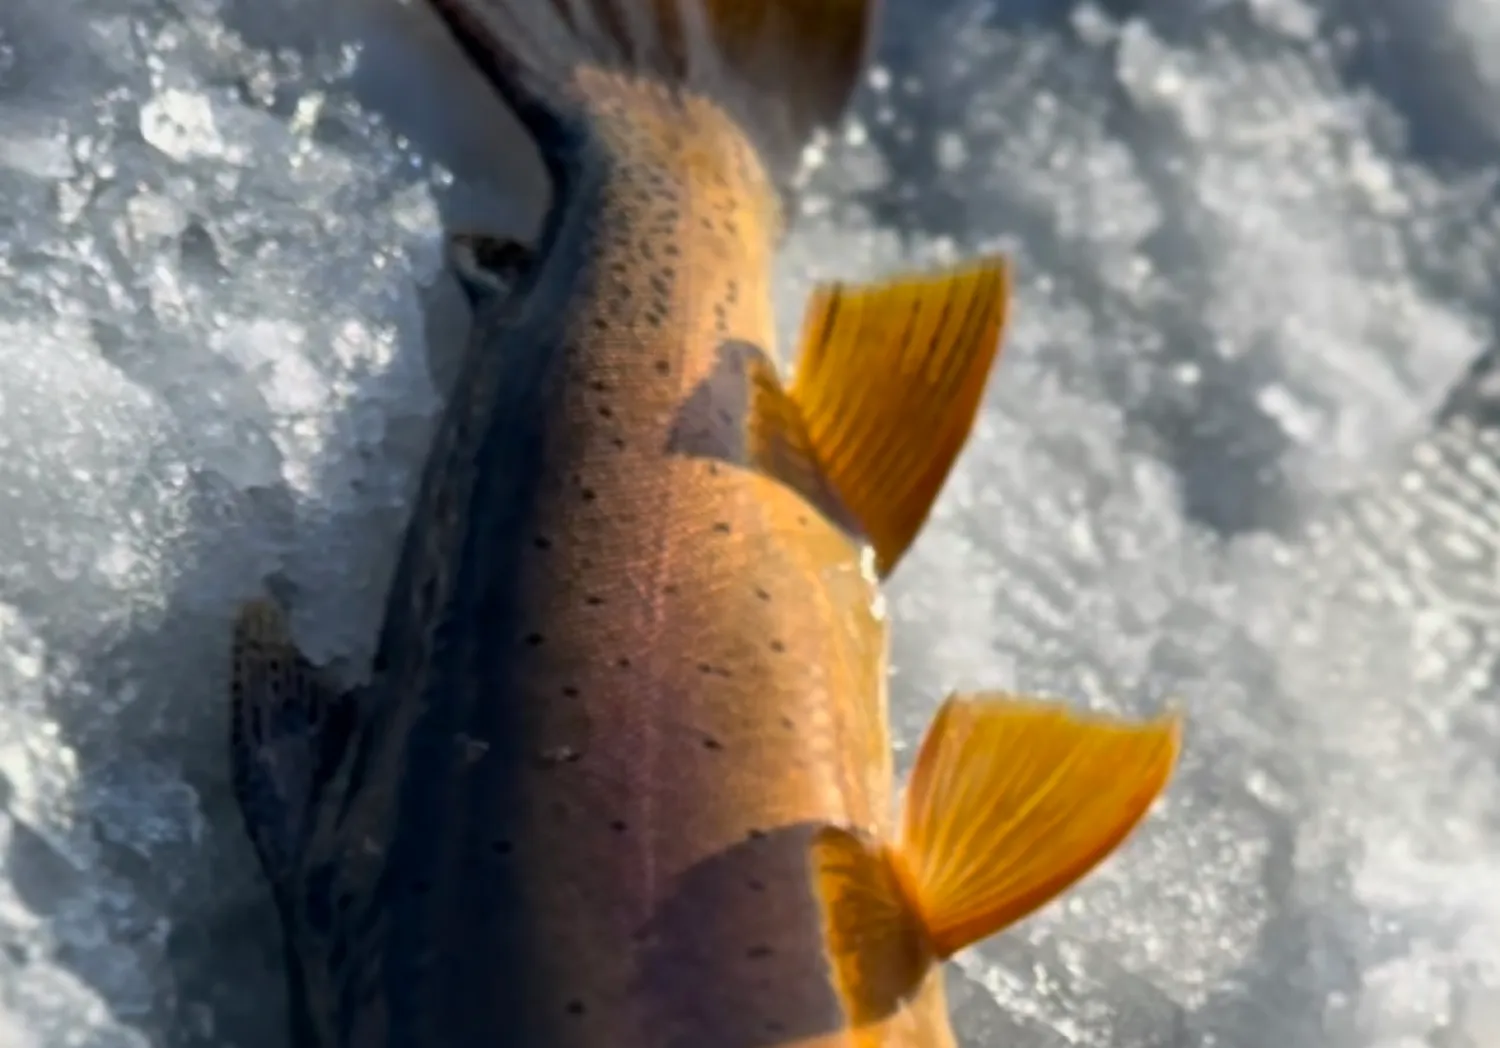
<point>1244,450</point>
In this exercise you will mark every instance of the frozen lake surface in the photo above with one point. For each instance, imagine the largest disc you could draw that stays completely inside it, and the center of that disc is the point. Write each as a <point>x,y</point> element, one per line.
<point>1243,449</point>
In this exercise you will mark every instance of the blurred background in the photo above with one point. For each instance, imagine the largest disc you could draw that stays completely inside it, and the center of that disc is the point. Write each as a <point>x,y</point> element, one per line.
<point>1241,452</point>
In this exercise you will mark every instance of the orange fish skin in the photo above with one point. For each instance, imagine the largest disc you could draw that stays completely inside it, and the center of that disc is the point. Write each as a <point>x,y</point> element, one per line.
<point>624,675</point>
<point>622,776</point>
<point>672,662</point>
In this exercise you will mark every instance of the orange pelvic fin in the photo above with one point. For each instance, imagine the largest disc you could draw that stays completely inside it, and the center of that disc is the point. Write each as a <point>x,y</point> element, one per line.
<point>1011,801</point>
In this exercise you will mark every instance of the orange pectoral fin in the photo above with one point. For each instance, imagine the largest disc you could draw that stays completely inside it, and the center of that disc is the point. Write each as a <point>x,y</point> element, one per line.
<point>888,383</point>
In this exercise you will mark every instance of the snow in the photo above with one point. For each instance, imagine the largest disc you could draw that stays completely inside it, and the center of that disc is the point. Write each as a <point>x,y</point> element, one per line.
<point>1242,453</point>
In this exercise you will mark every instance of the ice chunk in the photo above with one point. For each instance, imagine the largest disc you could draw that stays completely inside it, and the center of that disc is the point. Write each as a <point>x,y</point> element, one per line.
<point>214,372</point>
<point>181,124</point>
<point>1210,470</point>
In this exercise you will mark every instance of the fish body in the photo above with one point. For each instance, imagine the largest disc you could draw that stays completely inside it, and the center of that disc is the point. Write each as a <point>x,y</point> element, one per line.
<point>622,774</point>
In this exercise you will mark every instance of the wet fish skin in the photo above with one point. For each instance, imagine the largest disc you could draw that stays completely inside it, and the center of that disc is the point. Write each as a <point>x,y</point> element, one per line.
<point>622,774</point>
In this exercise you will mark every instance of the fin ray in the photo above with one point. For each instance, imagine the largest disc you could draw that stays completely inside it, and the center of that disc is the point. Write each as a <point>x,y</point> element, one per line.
<point>889,382</point>
<point>779,445</point>
<point>1012,801</point>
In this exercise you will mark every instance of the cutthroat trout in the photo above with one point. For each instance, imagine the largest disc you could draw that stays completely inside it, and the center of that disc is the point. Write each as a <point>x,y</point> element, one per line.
<point>621,777</point>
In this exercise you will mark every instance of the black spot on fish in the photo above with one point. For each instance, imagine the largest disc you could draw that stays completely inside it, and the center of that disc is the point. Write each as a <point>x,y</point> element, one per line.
<point>671,589</point>
<point>618,443</point>
<point>777,646</point>
<point>589,495</point>
<point>711,743</point>
<point>756,834</point>
<point>788,724</point>
<point>663,367</point>
<point>501,846</point>
<point>605,411</point>
<point>722,527</point>
<point>593,600</point>
<point>619,826</point>
<point>761,592</point>
<point>623,662</point>
<point>576,1008</point>
<point>534,640</point>
<point>569,691</point>
<point>542,542</point>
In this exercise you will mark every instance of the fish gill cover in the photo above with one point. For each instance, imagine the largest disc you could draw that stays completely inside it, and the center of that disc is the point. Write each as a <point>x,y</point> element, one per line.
<point>1244,448</point>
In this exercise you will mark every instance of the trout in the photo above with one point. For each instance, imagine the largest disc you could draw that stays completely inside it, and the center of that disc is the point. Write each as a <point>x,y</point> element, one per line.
<point>621,776</point>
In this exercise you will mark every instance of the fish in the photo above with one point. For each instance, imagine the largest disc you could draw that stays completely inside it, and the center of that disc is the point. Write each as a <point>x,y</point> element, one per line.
<point>622,773</point>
